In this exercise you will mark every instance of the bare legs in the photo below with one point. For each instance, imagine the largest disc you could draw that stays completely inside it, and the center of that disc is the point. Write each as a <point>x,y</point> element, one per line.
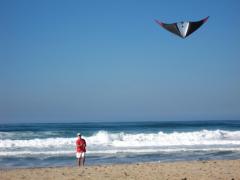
<point>81,161</point>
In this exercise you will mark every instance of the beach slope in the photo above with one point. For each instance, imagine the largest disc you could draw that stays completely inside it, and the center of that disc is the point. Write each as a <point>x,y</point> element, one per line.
<point>219,169</point>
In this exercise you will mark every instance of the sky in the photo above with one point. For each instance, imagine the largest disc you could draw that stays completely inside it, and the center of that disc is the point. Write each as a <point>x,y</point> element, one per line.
<point>80,61</point>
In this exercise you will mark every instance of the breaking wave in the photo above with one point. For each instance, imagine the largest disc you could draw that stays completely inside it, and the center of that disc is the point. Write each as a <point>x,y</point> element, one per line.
<point>104,142</point>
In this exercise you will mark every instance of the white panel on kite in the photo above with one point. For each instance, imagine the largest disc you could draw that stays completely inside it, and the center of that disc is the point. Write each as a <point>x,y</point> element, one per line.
<point>183,28</point>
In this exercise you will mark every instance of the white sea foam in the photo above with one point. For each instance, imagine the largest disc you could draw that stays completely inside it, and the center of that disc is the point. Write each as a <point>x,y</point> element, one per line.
<point>37,143</point>
<point>104,142</point>
<point>204,137</point>
<point>109,152</point>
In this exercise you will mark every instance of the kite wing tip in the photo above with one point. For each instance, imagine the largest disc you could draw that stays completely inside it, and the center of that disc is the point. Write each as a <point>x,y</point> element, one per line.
<point>205,19</point>
<point>158,22</point>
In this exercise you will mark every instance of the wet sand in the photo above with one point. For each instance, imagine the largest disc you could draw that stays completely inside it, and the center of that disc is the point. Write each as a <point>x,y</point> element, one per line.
<point>199,170</point>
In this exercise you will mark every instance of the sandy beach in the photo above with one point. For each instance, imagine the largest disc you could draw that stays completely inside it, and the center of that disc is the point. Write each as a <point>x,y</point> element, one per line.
<point>220,169</point>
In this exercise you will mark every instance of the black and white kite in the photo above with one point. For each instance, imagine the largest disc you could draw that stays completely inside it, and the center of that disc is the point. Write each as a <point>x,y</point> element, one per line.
<point>184,28</point>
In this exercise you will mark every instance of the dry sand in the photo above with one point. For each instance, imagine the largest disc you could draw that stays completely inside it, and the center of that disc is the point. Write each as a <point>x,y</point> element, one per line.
<point>224,169</point>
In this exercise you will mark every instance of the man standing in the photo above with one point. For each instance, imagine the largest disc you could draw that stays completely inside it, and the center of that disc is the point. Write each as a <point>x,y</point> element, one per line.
<point>80,149</point>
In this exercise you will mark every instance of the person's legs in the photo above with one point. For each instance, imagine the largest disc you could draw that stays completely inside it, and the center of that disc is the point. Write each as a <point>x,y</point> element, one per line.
<point>82,158</point>
<point>79,162</point>
<point>78,156</point>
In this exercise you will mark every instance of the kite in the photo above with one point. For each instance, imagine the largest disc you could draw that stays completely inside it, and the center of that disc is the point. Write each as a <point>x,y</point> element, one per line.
<point>184,28</point>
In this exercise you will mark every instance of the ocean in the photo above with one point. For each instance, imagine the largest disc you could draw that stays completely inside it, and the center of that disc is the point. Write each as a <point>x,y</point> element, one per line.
<point>53,144</point>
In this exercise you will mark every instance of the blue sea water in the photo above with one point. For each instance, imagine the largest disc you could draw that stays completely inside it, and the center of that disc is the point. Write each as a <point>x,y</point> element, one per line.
<point>53,144</point>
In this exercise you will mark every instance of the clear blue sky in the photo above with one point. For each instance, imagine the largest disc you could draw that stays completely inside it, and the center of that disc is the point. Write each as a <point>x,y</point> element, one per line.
<point>65,61</point>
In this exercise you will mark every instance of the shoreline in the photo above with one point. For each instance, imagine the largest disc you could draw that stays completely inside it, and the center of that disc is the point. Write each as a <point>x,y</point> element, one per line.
<point>209,169</point>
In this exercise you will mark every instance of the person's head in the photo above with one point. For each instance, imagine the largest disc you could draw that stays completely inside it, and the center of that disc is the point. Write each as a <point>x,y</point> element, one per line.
<point>79,135</point>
